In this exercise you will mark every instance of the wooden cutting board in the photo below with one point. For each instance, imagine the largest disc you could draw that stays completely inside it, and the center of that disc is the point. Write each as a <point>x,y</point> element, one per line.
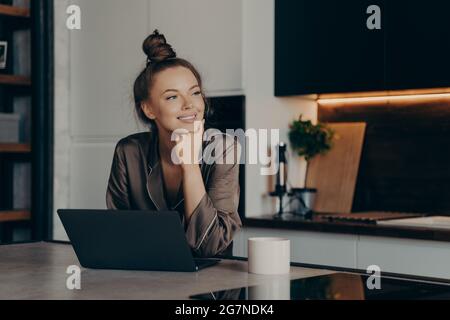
<point>334,174</point>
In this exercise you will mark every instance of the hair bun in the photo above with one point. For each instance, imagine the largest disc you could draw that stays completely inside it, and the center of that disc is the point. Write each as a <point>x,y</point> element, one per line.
<point>157,49</point>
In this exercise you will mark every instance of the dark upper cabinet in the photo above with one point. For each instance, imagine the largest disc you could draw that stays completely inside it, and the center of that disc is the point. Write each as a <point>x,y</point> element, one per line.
<point>418,44</point>
<point>325,46</point>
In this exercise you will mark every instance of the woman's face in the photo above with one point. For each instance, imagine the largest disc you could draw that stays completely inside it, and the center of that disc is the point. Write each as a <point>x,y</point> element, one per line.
<point>176,100</point>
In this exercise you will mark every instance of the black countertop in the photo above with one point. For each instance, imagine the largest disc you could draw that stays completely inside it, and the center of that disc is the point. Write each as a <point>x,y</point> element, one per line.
<point>319,224</point>
<point>336,286</point>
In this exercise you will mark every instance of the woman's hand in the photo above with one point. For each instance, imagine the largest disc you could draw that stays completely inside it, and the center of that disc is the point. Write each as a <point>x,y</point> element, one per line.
<point>188,149</point>
<point>188,153</point>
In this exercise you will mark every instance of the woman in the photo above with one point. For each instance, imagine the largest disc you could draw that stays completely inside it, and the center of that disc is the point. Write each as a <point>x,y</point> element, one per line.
<point>144,176</point>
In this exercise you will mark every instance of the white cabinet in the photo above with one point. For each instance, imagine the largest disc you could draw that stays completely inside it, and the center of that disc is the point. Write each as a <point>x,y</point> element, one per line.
<point>95,68</point>
<point>307,247</point>
<point>405,256</point>
<point>394,255</point>
<point>105,59</point>
<point>89,171</point>
<point>208,33</point>
<point>106,55</point>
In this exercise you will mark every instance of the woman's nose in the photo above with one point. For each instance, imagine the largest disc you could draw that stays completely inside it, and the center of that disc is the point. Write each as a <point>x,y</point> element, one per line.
<point>188,105</point>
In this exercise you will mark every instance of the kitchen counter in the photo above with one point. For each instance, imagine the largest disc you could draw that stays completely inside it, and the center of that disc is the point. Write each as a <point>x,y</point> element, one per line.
<point>38,271</point>
<point>318,224</point>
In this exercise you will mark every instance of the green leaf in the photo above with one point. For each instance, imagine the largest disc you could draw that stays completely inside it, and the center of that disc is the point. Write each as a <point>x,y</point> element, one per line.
<point>309,140</point>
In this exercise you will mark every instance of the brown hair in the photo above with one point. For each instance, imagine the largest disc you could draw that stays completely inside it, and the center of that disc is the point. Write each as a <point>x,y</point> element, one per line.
<point>160,56</point>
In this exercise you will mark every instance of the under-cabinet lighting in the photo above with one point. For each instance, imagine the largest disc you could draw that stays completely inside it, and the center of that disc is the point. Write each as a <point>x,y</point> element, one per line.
<point>382,98</point>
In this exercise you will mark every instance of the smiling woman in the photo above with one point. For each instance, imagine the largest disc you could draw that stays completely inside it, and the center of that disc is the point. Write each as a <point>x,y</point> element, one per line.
<point>169,99</point>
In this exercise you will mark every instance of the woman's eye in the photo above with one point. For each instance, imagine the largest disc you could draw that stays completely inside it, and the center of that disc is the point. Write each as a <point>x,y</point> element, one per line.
<point>197,93</point>
<point>171,97</point>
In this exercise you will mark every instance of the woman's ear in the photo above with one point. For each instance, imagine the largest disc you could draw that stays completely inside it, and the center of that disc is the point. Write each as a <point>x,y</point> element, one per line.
<point>148,110</point>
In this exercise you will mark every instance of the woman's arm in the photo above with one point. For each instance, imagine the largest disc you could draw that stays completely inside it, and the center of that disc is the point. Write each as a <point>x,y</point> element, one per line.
<point>117,191</point>
<point>212,217</point>
<point>193,189</point>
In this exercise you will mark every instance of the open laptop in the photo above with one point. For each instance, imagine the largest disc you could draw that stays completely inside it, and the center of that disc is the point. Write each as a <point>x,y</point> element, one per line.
<point>130,240</point>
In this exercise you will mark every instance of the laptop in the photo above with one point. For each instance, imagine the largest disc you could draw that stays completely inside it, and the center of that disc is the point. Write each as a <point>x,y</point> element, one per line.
<point>130,240</point>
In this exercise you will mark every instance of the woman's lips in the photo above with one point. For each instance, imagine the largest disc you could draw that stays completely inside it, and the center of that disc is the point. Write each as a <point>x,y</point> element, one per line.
<point>188,119</point>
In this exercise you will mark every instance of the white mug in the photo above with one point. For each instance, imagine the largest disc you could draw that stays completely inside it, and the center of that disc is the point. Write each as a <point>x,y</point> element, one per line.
<point>269,256</point>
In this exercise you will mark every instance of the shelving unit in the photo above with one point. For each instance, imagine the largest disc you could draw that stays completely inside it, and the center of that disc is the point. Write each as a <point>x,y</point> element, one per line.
<point>15,215</point>
<point>37,148</point>
<point>13,80</point>
<point>15,148</point>
<point>13,11</point>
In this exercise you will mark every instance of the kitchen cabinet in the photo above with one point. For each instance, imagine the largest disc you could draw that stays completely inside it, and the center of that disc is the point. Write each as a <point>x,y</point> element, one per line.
<point>326,46</point>
<point>418,44</point>
<point>424,258</point>
<point>104,59</point>
<point>208,33</point>
<point>306,247</point>
<point>405,256</point>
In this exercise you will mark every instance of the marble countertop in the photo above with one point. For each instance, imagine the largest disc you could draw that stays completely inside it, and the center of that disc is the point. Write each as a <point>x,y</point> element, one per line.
<point>38,271</point>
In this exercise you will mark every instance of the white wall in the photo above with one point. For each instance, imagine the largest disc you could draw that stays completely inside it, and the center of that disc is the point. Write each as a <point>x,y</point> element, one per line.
<point>95,67</point>
<point>61,117</point>
<point>263,110</point>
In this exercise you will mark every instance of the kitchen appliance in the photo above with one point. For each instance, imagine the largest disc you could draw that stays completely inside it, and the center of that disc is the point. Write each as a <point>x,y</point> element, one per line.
<point>302,201</point>
<point>337,286</point>
<point>280,186</point>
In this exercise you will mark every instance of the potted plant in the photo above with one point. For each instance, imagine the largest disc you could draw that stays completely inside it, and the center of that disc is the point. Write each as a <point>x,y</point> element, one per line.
<point>307,140</point>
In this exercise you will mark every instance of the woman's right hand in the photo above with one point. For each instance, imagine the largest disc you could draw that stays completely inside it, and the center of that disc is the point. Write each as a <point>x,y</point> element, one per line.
<point>188,147</point>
